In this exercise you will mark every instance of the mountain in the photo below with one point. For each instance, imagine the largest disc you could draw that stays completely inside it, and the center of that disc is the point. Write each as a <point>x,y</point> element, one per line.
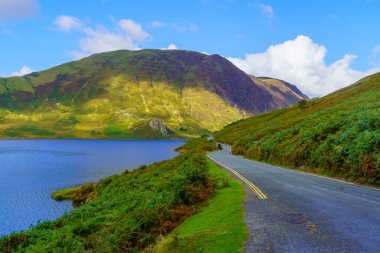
<point>337,135</point>
<point>136,94</point>
<point>283,93</point>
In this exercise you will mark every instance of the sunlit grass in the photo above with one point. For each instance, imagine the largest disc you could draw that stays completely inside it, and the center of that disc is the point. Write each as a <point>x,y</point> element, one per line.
<point>338,135</point>
<point>218,228</point>
<point>193,111</point>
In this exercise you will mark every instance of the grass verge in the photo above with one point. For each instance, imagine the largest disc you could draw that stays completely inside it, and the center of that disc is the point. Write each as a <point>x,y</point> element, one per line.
<point>219,227</point>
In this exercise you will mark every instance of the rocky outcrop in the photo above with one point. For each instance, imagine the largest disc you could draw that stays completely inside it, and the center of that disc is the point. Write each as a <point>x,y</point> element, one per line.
<point>161,126</point>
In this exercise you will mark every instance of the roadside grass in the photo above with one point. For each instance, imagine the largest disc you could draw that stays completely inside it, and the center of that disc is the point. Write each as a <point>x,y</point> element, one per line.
<point>219,226</point>
<point>337,135</point>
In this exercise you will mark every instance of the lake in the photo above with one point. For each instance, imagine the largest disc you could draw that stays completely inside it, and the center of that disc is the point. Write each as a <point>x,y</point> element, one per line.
<point>30,170</point>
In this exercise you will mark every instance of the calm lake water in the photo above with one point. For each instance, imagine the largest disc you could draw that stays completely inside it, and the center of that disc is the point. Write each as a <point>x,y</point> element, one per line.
<point>30,170</point>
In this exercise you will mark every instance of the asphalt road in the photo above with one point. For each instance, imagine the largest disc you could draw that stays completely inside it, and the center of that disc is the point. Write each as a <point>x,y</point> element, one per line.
<point>305,213</point>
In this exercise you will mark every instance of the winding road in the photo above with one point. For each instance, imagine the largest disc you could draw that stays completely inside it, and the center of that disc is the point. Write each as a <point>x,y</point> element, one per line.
<point>299,212</point>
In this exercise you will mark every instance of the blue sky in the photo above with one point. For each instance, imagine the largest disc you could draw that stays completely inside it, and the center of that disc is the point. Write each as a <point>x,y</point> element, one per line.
<point>320,45</point>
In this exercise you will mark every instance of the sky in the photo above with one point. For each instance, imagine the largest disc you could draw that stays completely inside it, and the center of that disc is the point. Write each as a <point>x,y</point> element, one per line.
<point>318,45</point>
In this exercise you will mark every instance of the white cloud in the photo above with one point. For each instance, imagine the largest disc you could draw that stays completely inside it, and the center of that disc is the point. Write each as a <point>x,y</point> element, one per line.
<point>125,35</point>
<point>17,9</point>
<point>67,23</point>
<point>267,10</point>
<point>23,71</point>
<point>172,47</point>
<point>133,29</point>
<point>102,40</point>
<point>180,27</point>
<point>302,62</point>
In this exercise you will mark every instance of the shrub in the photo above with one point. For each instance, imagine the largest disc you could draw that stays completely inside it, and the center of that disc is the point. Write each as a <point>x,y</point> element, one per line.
<point>302,104</point>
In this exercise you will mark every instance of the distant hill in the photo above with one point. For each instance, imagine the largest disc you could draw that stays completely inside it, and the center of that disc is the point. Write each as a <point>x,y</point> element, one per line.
<point>337,135</point>
<point>136,94</point>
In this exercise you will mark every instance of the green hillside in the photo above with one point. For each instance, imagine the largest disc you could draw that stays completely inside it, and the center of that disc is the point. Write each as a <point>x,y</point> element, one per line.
<point>132,94</point>
<point>337,135</point>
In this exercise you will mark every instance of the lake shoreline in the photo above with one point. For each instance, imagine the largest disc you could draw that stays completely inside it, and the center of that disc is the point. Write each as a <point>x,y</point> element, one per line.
<point>33,169</point>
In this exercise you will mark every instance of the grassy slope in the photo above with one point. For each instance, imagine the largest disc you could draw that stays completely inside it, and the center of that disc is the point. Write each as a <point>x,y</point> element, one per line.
<point>128,212</point>
<point>126,115</point>
<point>219,227</point>
<point>337,135</point>
<point>113,95</point>
<point>283,93</point>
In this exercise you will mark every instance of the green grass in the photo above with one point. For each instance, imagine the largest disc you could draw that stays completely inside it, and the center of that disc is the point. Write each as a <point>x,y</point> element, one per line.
<point>125,115</point>
<point>198,144</point>
<point>128,212</point>
<point>219,227</point>
<point>123,212</point>
<point>337,135</point>
<point>64,193</point>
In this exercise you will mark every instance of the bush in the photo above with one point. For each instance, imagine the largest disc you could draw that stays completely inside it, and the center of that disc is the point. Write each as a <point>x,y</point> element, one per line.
<point>302,104</point>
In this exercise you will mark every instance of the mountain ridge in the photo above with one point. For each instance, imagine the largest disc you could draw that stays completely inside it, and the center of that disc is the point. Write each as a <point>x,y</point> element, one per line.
<point>116,94</point>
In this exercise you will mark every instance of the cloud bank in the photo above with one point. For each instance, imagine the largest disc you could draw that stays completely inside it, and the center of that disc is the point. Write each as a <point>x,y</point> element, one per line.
<point>302,62</point>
